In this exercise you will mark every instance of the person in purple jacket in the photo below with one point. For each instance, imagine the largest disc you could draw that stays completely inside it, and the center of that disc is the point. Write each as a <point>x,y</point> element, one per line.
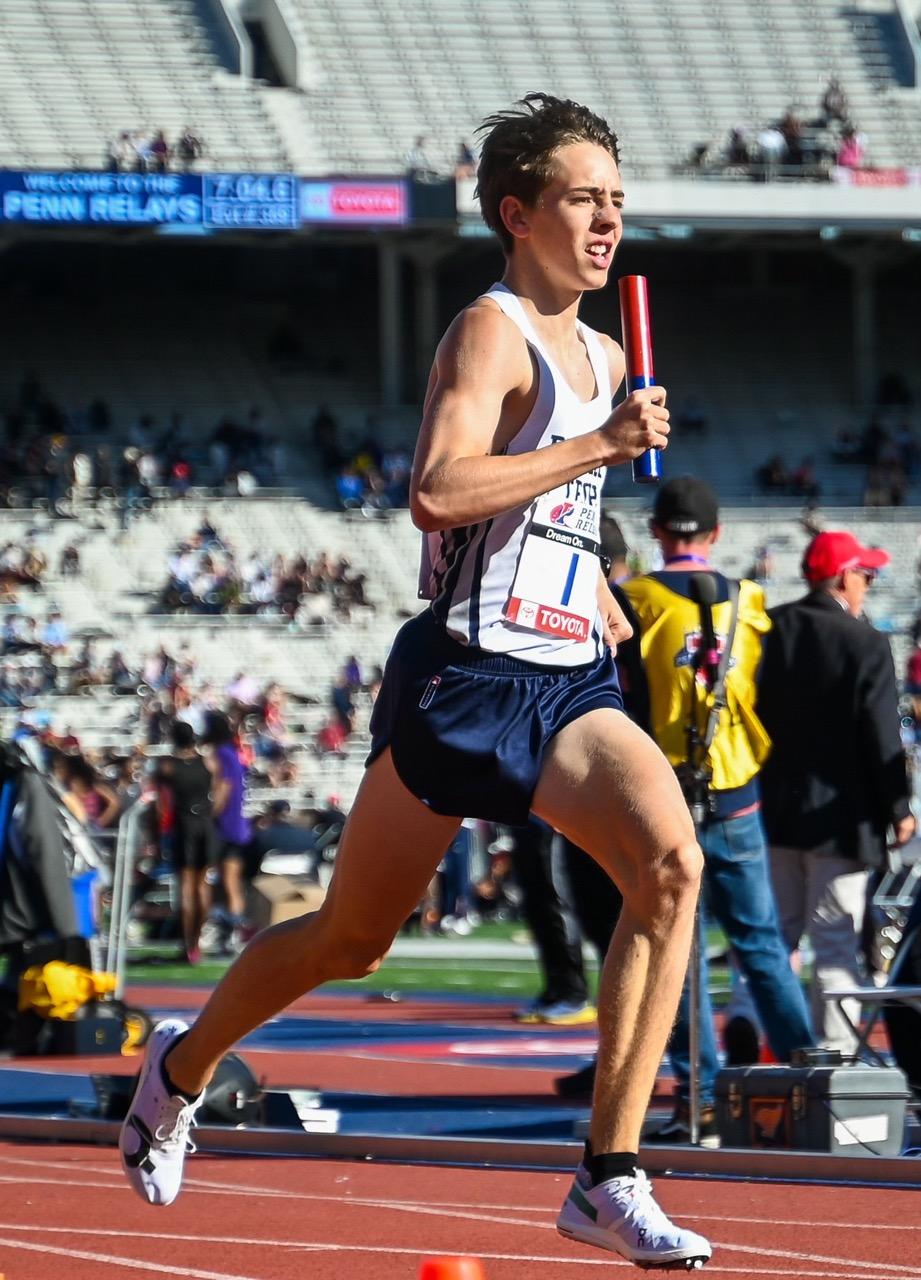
<point>231,824</point>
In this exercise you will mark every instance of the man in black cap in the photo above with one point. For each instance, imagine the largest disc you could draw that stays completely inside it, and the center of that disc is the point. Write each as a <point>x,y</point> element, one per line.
<point>668,681</point>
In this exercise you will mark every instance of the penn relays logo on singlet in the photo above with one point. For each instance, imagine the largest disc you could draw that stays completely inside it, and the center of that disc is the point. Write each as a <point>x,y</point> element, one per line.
<point>551,621</point>
<point>561,511</point>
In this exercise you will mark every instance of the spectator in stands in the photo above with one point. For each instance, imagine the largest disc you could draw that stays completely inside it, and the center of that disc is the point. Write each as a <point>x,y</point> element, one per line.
<point>342,697</point>
<point>791,129</point>
<point>836,778</point>
<point>803,482</point>
<point>738,153</point>
<point>353,674</point>
<point>55,634</point>
<point>185,784</point>
<point>125,153</point>
<point>189,148</point>
<point>159,152</point>
<point>69,563</point>
<point>762,570</point>
<point>700,154</point>
<point>419,166</point>
<point>231,824</point>
<point>90,800</point>
<point>464,161</point>
<point>83,673</point>
<point>331,738</point>
<point>396,466</point>
<point>141,143</point>
<point>119,675</point>
<point>180,477</point>
<point>834,102</point>
<point>851,150</point>
<point>773,476</point>
<point>20,634</point>
<point>350,489</point>
<point>772,147</point>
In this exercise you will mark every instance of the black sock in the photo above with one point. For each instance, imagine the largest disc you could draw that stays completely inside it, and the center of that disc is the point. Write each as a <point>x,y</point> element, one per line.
<point>171,1087</point>
<point>611,1164</point>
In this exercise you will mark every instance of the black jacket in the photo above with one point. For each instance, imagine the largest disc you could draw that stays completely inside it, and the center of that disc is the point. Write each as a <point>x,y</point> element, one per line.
<point>836,775</point>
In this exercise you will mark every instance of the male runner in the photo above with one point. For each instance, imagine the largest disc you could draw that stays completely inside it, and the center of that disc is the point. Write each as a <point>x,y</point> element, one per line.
<point>501,698</point>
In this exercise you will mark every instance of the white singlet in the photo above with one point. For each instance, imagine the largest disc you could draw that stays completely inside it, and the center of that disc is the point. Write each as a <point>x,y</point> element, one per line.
<point>525,583</point>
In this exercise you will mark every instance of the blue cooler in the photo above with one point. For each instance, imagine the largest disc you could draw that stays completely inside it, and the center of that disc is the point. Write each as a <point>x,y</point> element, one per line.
<point>82,887</point>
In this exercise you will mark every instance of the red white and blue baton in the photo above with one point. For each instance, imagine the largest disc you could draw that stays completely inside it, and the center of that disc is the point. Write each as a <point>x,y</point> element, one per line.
<point>637,337</point>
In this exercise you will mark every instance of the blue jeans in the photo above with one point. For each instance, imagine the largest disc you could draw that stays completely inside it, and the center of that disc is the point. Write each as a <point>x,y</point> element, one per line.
<point>737,890</point>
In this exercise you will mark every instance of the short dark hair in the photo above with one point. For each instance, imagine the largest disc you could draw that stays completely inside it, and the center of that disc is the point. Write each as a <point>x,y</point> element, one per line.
<point>182,735</point>
<point>218,730</point>
<point>613,542</point>
<point>519,146</point>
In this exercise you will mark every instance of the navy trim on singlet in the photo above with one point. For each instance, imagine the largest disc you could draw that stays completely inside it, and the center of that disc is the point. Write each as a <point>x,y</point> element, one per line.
<point>461,542</point>
<point>440,568</point>
<point>477,583</point>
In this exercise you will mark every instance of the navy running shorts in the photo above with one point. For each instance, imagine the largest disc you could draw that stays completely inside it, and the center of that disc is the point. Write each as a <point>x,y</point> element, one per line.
<point>467,729</point>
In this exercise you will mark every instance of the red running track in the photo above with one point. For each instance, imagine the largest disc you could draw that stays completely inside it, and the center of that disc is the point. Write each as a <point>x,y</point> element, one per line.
<point>67,1215</point>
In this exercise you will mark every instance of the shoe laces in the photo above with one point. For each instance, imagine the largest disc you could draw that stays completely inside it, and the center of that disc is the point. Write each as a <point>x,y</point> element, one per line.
<point>172,1133</point>
<point>646,1206</point>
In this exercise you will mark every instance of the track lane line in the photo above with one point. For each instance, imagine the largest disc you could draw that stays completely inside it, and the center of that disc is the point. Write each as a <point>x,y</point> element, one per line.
<point>867,1271</point>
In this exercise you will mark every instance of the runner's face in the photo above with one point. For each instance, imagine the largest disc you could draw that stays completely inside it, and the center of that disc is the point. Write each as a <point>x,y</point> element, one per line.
<point>576,225</point>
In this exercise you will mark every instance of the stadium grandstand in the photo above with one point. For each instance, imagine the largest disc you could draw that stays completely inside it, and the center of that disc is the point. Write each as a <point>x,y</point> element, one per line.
<point>232,236</point>
<point>342,86</point>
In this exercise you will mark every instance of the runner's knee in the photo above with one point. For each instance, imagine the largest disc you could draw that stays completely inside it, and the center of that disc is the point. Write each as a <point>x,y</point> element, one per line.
<point>353,953</point>
<point>668,885</point>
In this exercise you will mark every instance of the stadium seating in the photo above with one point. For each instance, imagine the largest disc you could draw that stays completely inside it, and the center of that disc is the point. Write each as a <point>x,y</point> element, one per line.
<point>115,595</point>
<point>75,73</point>
<point>670,75</point>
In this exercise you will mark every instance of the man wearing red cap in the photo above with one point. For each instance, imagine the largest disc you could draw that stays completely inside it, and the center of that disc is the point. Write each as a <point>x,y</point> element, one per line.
<point>835,782</point>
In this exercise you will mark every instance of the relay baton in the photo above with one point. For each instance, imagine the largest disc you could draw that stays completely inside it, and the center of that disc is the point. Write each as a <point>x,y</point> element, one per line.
<point>637,336</point>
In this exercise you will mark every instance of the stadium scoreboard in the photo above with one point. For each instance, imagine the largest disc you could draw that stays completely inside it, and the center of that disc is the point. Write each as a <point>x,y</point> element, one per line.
<point>195,202</point>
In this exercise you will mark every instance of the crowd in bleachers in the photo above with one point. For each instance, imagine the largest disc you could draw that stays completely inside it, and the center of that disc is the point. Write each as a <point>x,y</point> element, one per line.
<point>206,576</point>
<point>795,145</point>
<point>150,151</point>
<point>367,476</point>
<point>887,448</point>
<point>55,454</point>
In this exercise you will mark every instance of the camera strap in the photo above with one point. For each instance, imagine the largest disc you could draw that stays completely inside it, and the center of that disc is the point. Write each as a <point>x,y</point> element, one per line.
<point>719,686</point>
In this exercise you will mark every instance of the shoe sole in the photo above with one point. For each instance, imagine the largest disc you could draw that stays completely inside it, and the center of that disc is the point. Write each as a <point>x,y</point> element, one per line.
<point>602,1240</point>
<point>140,1080</point>
<point>571,1019</point>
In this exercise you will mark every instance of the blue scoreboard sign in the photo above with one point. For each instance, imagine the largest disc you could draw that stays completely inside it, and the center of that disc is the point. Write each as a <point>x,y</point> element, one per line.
<point>209,202</point>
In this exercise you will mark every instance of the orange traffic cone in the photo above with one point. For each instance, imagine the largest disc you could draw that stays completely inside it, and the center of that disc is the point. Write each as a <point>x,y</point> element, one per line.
<point>452,1269</point>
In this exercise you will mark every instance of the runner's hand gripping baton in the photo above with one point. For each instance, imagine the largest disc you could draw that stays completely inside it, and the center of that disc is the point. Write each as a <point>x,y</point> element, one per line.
<point>637,336</point>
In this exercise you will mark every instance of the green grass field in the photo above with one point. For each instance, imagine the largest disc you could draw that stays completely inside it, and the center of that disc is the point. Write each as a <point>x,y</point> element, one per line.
<point>510,977</point>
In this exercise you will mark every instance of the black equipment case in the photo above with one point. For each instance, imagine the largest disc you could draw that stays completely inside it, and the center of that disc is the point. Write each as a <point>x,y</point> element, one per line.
<point>853,1110</point>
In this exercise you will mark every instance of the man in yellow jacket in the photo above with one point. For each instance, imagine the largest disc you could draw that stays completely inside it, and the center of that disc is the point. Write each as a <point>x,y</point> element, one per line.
<point>666,688</point>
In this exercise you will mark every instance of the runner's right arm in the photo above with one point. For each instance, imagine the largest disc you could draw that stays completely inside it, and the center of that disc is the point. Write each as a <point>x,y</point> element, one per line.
<point>480,393</point>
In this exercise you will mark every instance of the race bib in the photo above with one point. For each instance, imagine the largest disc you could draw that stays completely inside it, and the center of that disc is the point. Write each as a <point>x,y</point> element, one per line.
<point>555,590</point>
